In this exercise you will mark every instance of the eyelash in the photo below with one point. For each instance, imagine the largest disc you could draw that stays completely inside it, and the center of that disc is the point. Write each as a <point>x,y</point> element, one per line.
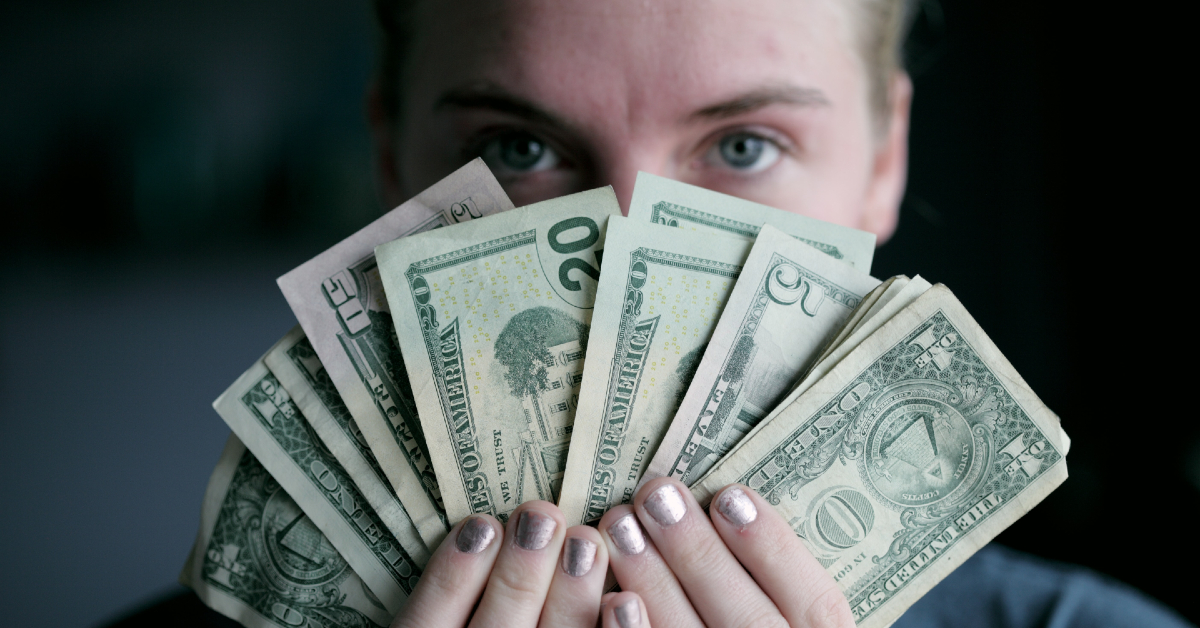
<point>777,140</point>
<point>475,145</point>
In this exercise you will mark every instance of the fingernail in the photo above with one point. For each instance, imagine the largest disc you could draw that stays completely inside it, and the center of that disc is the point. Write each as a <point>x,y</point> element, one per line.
<point>629,614</point>
<point>666,505</point>
<point>627,535</point>
<point>579,556</point>
<point>534,530</point>
<point>474,536</point>
<point>737,506</point>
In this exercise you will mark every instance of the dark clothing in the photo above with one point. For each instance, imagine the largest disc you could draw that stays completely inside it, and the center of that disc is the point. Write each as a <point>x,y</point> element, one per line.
<point>995,588</point>
<point>1002,588</point>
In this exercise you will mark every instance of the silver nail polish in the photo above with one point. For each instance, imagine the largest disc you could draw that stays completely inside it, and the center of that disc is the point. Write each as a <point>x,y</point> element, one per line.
<point>629,614</point>
<point>737,506</point>
<point>579,556</point>
<point>474,536</point>
<point>666,505</point>
<point>627,535</point>
<point>534,530</point>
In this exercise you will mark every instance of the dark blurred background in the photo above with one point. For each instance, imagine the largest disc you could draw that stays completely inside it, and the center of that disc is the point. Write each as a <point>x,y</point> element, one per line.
<point>162,162</point>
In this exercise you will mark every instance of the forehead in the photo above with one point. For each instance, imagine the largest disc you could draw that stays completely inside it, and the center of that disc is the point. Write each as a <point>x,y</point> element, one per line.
<point>633,56</point>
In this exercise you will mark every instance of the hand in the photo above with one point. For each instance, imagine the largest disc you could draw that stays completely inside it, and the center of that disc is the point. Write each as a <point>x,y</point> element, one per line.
<point>533,572</point>
<point>744,566</point>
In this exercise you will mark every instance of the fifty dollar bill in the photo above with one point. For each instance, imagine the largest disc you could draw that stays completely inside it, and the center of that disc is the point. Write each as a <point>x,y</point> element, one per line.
<point>493,319</point>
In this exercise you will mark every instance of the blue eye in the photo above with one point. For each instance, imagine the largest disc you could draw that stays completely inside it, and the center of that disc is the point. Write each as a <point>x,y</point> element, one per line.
<point>518,153</point>
<point>744,151</point>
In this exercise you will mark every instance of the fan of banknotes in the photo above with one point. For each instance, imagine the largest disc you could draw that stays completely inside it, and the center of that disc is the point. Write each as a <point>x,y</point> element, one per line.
<point>460,356</point>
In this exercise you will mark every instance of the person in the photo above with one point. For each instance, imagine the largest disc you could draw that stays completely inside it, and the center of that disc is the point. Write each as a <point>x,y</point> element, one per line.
<point>797,104</point>
<point>801,105</point>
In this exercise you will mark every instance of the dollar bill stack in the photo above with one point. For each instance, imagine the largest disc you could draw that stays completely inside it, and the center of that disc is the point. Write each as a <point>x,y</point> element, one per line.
<point>460,356</point>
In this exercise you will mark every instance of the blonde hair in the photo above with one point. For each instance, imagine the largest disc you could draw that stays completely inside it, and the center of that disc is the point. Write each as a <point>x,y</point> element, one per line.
<point>879,25</point>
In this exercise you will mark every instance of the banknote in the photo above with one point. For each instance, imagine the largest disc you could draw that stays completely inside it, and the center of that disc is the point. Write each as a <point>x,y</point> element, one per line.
<point>264,417</point>
<point>917,449</point>
<point>899,294</point>
<point>870,304</point>
<point>661,293</point>
<point>338,298</point>
<point>295,364</point>
<point>672,203</point>
<point>259,560</point>
<point>788,303</point>
<point>493,319</point>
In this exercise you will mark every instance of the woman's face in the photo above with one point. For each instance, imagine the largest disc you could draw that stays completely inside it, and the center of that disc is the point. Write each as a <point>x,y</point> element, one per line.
<point>766,100</point>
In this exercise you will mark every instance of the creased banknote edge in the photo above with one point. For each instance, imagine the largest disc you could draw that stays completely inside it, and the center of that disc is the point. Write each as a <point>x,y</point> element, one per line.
<point>218,484</point>
<point>265,449</point>
<point>389,509</point>
<point>192,574</point>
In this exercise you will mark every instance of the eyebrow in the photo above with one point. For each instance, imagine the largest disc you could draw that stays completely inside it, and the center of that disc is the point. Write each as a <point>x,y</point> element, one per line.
<point>486,95</point>
<point>756,99</point>
<point>496,98</point>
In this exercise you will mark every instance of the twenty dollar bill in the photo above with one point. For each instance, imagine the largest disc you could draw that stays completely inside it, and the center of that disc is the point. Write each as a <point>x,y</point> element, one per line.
<point>493,318</point>
<point>660,295</point>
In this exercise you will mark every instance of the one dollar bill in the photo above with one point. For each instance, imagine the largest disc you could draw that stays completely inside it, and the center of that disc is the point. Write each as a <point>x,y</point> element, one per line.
<point>294,362</point>
<point>264,417</point>
<point>661,293</point>
<point>259,560</point>
<point>674,204</point>
<point>918,448</point>
<point>787,305</point>
<point>900,293</point>
<point>493,319</point>
<point>338,298</point>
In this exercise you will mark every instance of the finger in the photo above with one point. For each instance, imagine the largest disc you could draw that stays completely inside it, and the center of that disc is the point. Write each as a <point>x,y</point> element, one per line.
<point>625,610</point>
<point>455,576</point>
<point>521,576</point>
<point>770,550</point>
<point>719,588</point>
<point>639,568</point>
<point>578,584</point>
